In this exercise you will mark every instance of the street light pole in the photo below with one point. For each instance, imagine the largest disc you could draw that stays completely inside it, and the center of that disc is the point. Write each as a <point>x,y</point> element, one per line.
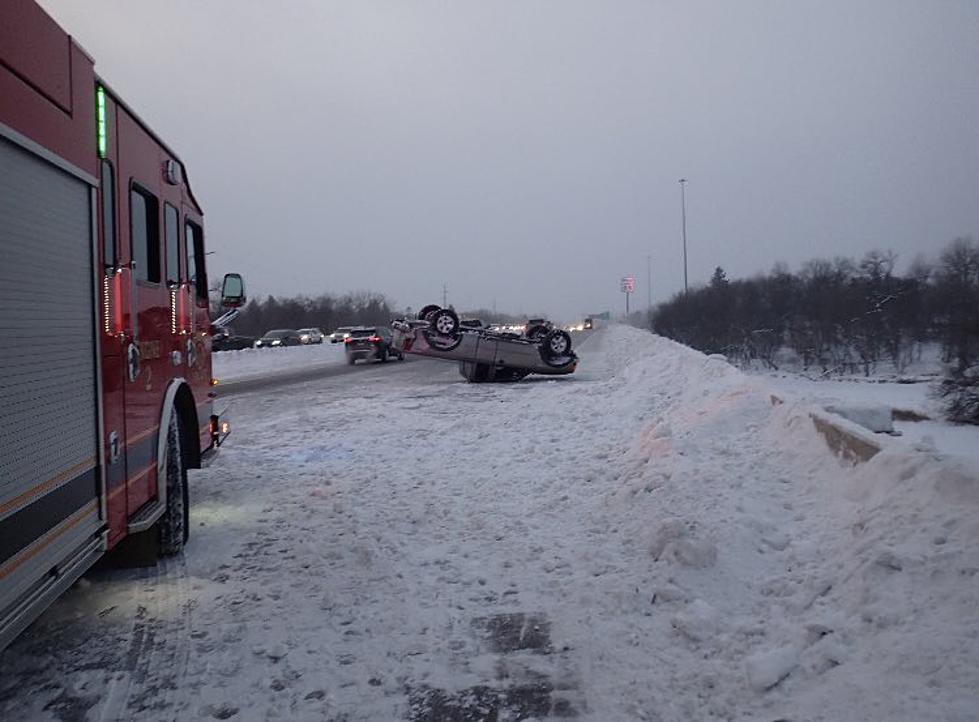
<point>683,215</point>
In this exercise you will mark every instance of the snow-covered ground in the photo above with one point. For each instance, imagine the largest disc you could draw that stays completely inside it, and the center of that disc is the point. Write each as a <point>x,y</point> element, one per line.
<point>649,539</point>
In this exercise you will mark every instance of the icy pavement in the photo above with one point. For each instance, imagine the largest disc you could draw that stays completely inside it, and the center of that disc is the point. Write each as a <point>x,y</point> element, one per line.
<point>648,539</point>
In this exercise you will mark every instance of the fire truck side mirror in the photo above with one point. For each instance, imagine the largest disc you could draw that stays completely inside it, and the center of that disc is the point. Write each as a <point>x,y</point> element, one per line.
<point>233,291</point>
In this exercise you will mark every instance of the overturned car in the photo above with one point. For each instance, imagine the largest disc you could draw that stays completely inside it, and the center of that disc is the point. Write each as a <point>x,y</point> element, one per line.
<point>483,353</point>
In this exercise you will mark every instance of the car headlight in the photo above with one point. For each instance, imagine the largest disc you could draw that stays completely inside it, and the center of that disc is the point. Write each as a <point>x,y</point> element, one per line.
<point>277,342</point>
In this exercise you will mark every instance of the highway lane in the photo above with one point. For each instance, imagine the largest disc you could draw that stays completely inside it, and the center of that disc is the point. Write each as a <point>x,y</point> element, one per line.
<point>412,366</point>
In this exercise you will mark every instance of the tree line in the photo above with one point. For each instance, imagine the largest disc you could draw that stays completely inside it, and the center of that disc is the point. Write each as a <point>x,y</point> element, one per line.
<point>326,312</point>
<point>842,316</point>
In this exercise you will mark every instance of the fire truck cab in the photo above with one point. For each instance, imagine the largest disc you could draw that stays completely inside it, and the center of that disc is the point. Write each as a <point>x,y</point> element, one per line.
<point>105,360</point>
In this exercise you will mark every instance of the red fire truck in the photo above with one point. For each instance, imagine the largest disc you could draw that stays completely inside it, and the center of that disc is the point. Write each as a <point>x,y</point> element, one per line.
<point>105,335</point>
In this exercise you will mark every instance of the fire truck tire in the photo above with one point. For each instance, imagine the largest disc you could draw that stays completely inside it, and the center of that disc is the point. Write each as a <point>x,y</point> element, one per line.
<point>174,525</point>
<point>431,308</point>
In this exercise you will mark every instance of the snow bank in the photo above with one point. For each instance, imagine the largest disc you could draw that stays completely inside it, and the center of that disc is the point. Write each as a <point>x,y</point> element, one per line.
<point>257,362</point>
<point>794,586</point>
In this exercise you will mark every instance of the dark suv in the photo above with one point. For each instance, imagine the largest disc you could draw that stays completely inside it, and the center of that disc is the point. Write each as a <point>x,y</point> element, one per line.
<point>371,343</point>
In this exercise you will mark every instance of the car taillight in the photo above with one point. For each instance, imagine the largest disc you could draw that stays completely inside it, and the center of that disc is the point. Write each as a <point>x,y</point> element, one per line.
<point>348,340</point>
<point>375,339</point>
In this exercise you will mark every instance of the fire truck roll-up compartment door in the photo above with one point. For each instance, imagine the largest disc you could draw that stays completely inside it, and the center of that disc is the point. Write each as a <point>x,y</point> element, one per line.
<point>49,439</point>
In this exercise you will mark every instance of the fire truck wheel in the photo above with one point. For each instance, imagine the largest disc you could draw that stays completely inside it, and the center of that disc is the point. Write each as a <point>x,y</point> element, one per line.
<point>174,525</point>
<point>445,322</point>
<point>423,314</point>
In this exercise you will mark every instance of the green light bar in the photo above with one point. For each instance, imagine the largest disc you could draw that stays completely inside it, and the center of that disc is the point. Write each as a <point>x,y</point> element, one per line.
<point>103,124</point>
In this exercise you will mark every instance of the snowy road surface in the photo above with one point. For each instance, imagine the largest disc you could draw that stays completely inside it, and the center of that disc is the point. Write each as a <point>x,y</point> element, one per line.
<point>648,539</point>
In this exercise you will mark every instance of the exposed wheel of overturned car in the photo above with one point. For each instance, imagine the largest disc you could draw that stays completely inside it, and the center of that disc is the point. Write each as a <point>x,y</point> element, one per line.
<point>428,310</point>
<point>537,332</point>
<point>444,322</point>
<point>557,344</point>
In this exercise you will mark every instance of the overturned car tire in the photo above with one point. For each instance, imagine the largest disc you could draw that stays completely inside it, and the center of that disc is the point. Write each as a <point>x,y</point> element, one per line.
<point>444,322</point>
<point>442,343</point>
<point>427,310</point>
<point>537,332</point>
<point>556,345</point>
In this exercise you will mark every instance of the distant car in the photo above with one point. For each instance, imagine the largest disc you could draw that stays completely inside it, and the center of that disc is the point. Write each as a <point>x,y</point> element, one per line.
<point>588,324</point>
<point>311,335</point>
<point>340,334</point>
<point>278,338</point>
<point>372,343</point>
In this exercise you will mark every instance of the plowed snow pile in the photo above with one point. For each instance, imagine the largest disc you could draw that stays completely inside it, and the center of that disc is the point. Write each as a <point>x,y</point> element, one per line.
<point>259,362</point>
<point>782,583</point>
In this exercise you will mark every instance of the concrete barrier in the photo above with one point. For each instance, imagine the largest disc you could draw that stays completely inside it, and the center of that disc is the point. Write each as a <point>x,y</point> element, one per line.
<point>848,440</point>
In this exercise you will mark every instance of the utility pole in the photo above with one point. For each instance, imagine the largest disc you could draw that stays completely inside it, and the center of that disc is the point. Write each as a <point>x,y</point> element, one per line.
<point>683,215</point>
<point>445,296</point>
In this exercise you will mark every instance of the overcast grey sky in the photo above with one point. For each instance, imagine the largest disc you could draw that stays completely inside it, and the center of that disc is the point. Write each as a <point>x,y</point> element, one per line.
<point>528,151</point>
